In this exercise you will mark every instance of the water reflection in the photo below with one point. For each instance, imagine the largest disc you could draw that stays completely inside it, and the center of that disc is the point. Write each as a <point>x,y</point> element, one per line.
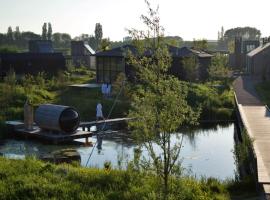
<point>207,150</point>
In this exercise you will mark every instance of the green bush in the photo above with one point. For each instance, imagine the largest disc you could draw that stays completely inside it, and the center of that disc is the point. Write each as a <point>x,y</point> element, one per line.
<point>32,179</point>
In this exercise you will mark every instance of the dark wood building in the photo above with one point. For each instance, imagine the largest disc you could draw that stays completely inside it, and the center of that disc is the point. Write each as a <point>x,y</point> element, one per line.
<point>40,58</point>
<point>32,63</point>
<point>82,54</point>
<point>258,61</point>
<point>237,60</point>
<point>112,62</point>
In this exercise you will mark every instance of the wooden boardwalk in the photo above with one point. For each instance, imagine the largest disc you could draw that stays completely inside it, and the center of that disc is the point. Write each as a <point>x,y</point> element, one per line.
<point>256,119</point>
<point>100,123</point>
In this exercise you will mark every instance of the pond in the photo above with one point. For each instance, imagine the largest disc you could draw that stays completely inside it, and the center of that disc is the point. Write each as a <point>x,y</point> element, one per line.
<point>206,151</point>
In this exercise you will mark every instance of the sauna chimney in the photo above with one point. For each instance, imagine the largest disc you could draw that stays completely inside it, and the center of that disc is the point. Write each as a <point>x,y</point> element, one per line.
<point>28,116</point>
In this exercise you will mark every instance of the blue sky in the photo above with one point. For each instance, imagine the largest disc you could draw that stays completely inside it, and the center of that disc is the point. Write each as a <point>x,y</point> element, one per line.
<point>188,19</point>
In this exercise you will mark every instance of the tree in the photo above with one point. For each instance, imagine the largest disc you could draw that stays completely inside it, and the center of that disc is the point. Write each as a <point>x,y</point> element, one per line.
<point>218,69</point>
<point>105,44</point>
<point>44,32</point>
<point>158,101</point>
<point>248,33</point>
<point>221,40</point>
<point>17,34</point>
<point>49,34</point>
<point>61,40</point>
<point>98,34</point>
<point>190,65</point>
<point>200,44</point>
<point>10,34</point>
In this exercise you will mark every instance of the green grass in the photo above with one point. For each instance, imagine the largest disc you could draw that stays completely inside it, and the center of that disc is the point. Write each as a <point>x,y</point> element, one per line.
<point>32,179</point>
<point>214,98</point>
<point>263,90</point>
<point>85,101</point>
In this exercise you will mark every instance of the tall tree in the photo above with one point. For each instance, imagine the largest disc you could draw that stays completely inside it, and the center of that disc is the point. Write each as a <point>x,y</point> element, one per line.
<point>44,32</point>
<point>17,34</point>
<point>98,34</point>
<point>49,34</point>
<point>10,34</point>
<point>158,102</point>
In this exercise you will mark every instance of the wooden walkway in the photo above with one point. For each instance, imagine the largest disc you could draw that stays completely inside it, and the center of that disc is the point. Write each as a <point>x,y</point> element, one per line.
<point>100,123</point>
<point>89,85</point>
<point>256,119</point>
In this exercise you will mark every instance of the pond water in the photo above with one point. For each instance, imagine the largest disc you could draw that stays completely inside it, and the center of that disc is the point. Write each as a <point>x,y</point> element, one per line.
<point>206,151</point>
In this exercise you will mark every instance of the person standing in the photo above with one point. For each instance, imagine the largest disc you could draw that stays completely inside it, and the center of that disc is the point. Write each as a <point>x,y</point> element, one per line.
<point>99,114</point>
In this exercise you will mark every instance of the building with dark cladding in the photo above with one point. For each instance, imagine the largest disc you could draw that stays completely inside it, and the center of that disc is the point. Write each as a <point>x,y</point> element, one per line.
<point>40,58</point>
<point>237,60</point>
<point>112,62</point>
<point>258,61</point>
<point>82,54</point>
<point>40,46</point>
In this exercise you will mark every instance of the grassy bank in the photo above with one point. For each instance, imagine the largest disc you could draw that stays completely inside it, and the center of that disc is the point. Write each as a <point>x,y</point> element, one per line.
<point>263,90</point>
<point>32,179</point>
<point>214,98</point>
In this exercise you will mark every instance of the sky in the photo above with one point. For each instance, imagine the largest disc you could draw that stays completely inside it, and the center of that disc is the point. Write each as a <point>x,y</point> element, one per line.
<point>189,19</point>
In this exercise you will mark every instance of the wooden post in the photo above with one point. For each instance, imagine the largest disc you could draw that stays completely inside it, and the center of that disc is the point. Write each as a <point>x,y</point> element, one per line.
<point>86,140</point>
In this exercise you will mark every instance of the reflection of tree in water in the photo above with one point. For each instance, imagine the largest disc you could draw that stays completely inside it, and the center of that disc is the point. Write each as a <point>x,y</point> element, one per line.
<point>204,129</point>
<point>125,138</point>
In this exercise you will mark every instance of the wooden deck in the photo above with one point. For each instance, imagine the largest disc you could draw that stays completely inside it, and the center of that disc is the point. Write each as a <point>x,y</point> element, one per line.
<point>17,128</point>
<point>256,119</point>
<point>89,85</point>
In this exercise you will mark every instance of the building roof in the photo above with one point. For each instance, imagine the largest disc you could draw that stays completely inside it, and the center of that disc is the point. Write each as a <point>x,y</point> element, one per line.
<point>174,51</point>
<point>89,49</point>
<point>118,51</point>
<point>258,50</point>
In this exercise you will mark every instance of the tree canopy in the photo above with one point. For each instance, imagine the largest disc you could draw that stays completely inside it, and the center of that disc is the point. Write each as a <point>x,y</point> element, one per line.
<point>245,32</point>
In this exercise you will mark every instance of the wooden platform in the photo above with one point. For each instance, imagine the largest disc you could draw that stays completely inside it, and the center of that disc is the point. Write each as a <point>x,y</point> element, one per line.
<point>17,129</point>
<point>256,119</point>
<point>90,85</point>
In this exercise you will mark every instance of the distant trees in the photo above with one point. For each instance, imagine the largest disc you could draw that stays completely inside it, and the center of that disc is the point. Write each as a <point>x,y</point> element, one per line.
<point>9,34</point>
<point>49,34</point>
<point>249,33</point>
<point>17,34</point>
<point>98,34</point>
<point>200,44</point>
<point>174,40</point>
<point>221,40</point>
<point>61,40</point>
<point>226,39</point>
<point>44,32</point>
